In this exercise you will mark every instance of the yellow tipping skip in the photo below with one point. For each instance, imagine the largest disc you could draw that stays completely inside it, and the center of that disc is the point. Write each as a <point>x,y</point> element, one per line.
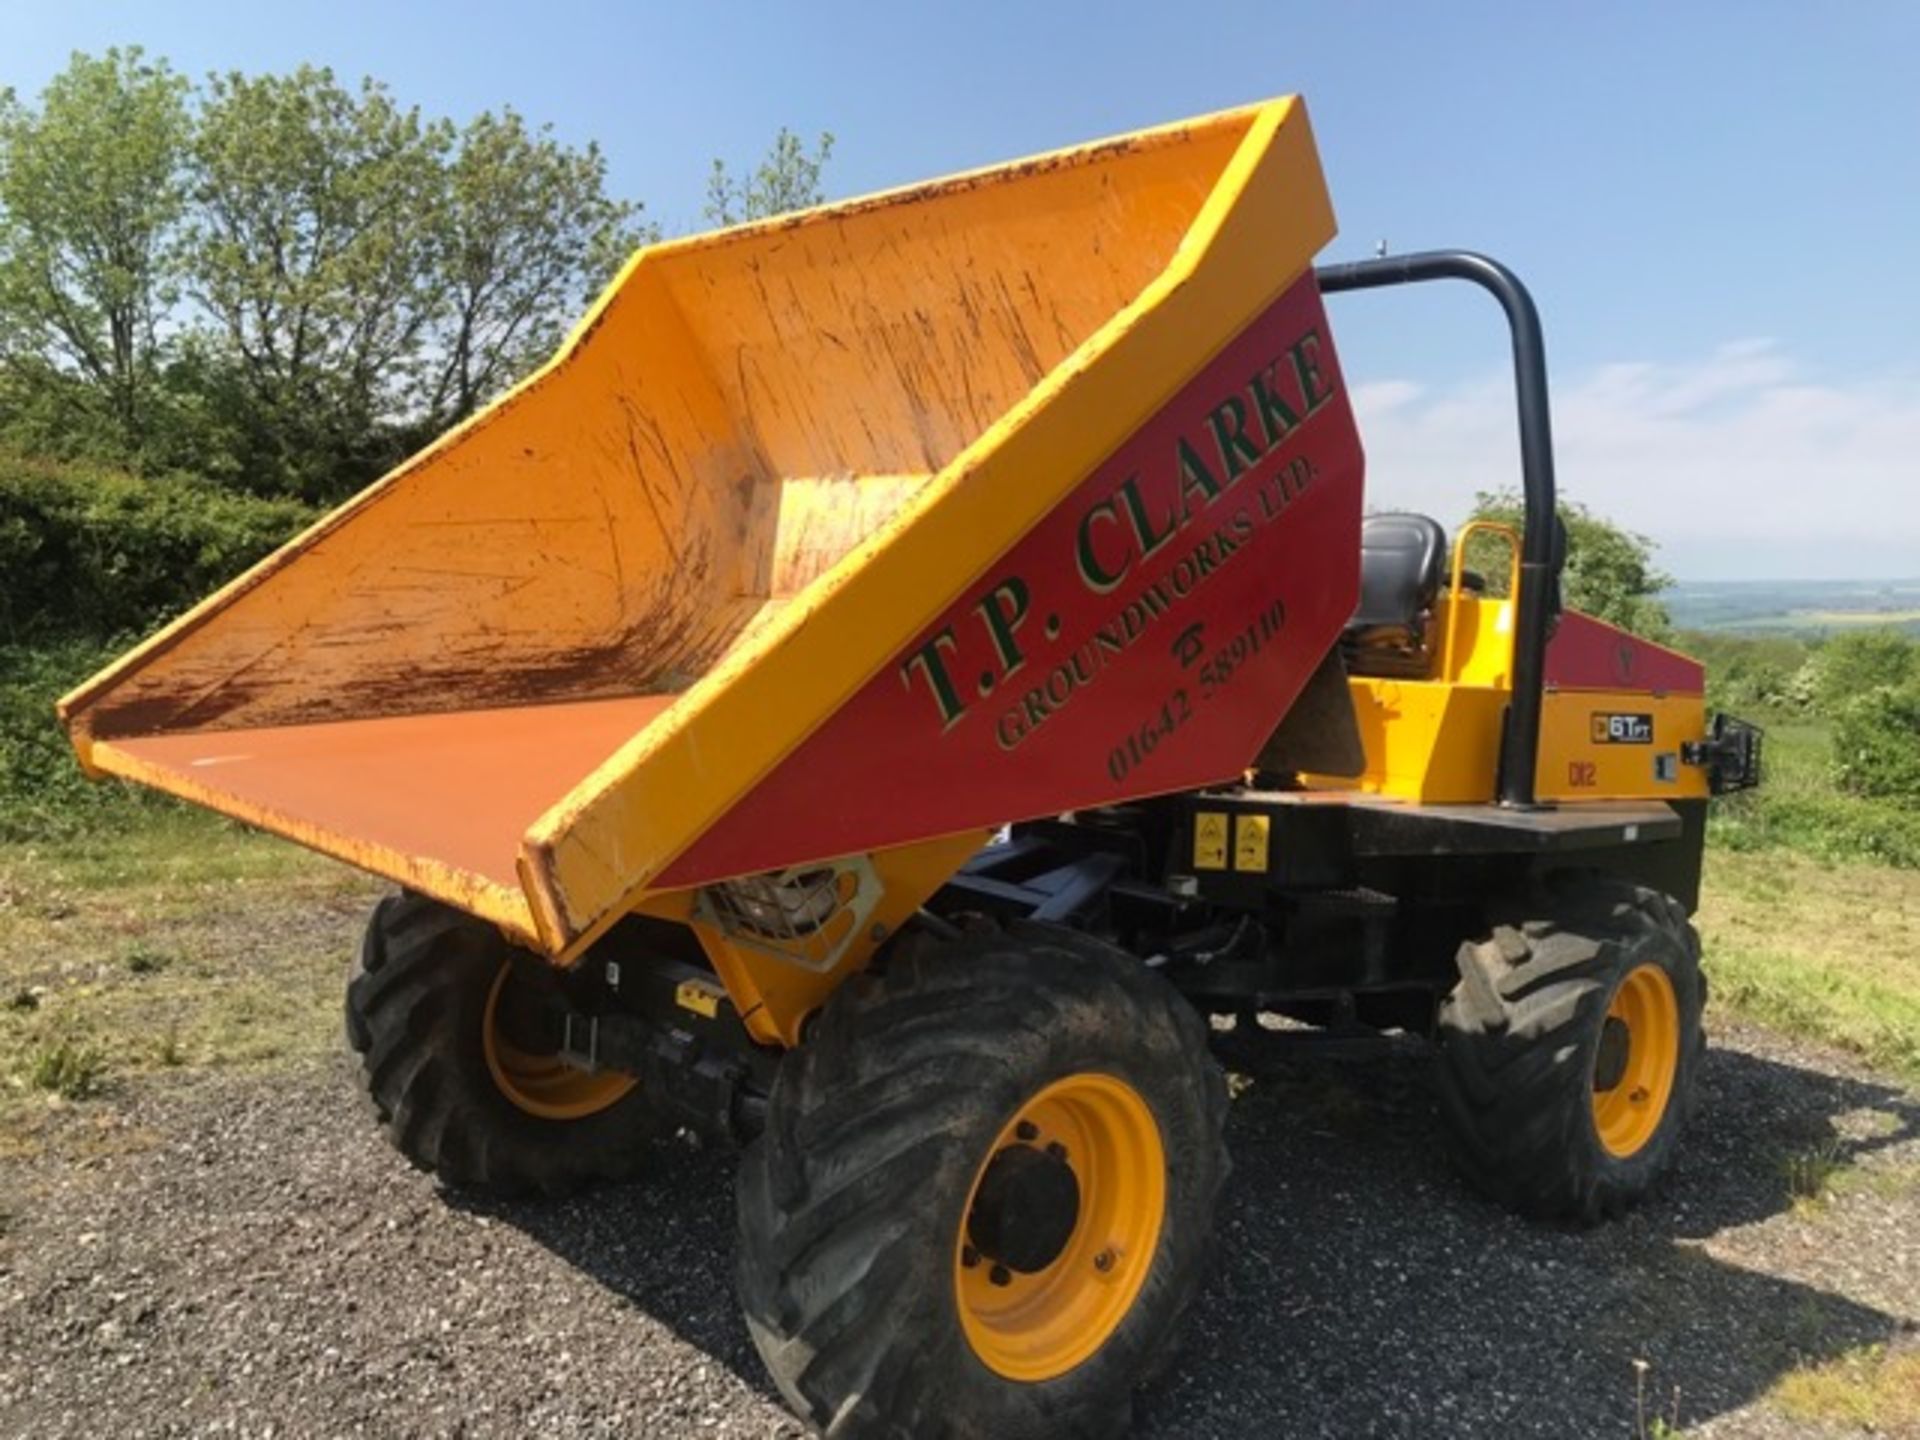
<point>531,666</point>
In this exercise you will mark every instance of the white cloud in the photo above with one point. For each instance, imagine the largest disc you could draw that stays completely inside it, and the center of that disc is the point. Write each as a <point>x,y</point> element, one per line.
<point>1737,464</point>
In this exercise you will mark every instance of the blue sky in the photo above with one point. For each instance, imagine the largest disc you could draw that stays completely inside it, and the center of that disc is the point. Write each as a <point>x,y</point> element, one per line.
<point>1717,205</point>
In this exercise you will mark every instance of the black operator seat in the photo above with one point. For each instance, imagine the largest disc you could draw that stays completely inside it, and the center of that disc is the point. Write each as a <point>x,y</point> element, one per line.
<point>1403,562</point>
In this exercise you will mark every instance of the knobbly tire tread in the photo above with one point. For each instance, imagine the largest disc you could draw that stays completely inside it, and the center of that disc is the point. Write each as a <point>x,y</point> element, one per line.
<point>415,1007</point>
<point>851,1200</point>
<point>1517,1040</point>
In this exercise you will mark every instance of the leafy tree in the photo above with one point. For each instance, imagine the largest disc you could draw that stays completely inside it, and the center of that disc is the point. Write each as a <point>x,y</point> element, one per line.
<point>286,284</point>
<point>1609,574</point>
<point>309,253</point>
<point>91,198</point>
<point>1868,683</point>
<point>526,232</point>
<point>787,178</point>
<point>1876,743</point>
<point>1752,675</point>
<point>1853,665</point>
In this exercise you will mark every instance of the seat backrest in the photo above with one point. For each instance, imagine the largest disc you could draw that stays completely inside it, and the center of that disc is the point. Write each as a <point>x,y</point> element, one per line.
<point>1403,560</point>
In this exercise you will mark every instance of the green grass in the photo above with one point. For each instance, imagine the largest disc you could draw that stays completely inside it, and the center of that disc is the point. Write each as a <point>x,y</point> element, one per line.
<point>1834,1169</point>
<point>1856,617</point>
<point>70,1066</point>
<point>1811,1173</point>
<point>1811,909</point>
<point>1798,808</point>
<point>1871,1389</point>
<point>177,942</point>
<point>1828,951</point>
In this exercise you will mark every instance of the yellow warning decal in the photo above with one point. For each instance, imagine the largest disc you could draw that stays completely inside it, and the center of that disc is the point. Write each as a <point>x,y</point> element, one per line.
<point>1209,840</point>
<point>1250,833</point>
<point>699,997</point>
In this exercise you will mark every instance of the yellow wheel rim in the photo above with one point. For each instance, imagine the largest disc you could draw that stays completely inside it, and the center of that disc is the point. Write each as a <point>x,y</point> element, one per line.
<point>1040,1284</point>
<point>1638,1056</point>
<point>544,1085</point>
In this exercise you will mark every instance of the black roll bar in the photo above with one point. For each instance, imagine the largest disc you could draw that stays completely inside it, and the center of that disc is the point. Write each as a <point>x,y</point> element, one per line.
<point>1539,550</point>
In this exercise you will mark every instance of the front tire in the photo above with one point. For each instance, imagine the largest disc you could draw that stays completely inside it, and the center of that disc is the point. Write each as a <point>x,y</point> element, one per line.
<point>985,1192</point>
<point>455,1067</point>
<point>1570,1049</point>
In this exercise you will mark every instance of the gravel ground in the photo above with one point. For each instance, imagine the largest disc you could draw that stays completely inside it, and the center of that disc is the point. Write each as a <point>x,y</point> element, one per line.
<point>242,1255</point>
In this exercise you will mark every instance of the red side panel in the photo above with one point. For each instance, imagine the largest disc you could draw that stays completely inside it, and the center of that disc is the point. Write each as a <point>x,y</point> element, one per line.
<point>1146,636</point>
<point>1589,654</point>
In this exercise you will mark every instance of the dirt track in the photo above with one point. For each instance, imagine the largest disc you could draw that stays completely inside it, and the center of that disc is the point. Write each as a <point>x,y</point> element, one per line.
<point>243,1255</point>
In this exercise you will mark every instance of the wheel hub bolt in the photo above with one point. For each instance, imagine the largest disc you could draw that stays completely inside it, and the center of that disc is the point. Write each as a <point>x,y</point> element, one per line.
<point>1027,1130</point>
<point>1000,1275</point>
<point>969,1256</point>
<point>1056,1150</point>
<point>1103,1262</point>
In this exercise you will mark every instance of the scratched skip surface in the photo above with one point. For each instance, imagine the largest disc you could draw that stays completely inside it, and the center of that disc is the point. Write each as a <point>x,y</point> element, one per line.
<point>1146,636</point>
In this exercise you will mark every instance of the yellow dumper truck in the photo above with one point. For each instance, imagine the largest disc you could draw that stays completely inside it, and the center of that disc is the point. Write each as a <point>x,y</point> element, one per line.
<point>897,673</point>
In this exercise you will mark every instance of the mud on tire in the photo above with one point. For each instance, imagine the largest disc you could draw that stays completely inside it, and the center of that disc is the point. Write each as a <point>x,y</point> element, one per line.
<point>853,1202</point>
<point>417,1016</point>
<point>1526,1044</point>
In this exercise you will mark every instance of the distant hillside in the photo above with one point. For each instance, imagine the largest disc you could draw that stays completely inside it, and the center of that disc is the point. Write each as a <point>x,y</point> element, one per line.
<point>1794,606</point>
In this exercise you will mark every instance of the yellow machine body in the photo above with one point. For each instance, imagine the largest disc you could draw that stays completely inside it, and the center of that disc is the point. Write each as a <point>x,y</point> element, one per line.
<point>1434,738</point>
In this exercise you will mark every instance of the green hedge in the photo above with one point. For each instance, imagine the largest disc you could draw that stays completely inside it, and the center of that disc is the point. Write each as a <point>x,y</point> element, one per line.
<point>91,559</point>
<point>1876,744</point>
<point>43,794</point>
<point>87,551</point>
<point>1799,807</point>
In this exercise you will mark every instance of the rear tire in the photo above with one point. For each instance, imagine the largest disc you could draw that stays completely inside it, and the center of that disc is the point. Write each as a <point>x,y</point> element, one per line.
<point>429,1007</point>
<point>1570,1049</point>
<point>902,1275</point>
